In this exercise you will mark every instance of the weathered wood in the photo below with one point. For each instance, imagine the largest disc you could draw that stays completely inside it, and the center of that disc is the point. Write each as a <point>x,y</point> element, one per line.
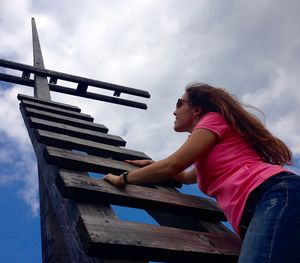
<point>75,161</point>
<point>53,245</point>
<point>76,132</point>
<point>41,88</point>
<point>64,120</point>
<point>71,91</point>
<point>186,221</point>
<point>96,96</point>
<point>68,77</point>
<point>93,148</point>
<point>106,236</point>
<point>66,211</point>
<point>82,162</point>
<point>82,88</point>
<point>16,80</point>
<point>105,212</point>
<point>77,187</point>
<point>49,103</point>
<point>56,110</point>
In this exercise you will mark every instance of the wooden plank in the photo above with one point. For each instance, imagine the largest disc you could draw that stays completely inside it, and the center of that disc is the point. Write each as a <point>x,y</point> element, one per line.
<point>96,96</point>
<point>41,87</point>
<point>80,188</point>
<point>40,106</point>
<point>76,132</point>
<point>82,162</point>
<point>71,91</point>
<point>186,221</point>
<point>16,80</point>
<point>50,103</point>
<point>73,78</point>
<point>53,246</point>
<point>93,148</point>
<point>111,237</point>
<point>64,119</point>
<point>102,211</point>
<point>75,161</point>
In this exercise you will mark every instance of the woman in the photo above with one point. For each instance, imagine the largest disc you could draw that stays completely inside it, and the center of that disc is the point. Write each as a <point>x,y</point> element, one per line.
<point>238,162</point>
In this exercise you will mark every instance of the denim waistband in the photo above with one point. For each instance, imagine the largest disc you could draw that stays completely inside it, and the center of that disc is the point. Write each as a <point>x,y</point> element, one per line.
<point>256,195</point>
<point>257,192</point>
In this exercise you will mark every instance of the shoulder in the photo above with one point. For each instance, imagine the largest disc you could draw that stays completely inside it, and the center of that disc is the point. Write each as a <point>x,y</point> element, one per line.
<point>214,122</point>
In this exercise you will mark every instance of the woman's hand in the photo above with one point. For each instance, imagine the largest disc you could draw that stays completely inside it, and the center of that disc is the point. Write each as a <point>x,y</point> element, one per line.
<point>116,180</point>
<point>140,163</point>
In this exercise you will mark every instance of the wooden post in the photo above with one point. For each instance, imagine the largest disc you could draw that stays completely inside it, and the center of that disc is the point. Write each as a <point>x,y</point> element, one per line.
<point>41,87</point>
<point>53,246</point>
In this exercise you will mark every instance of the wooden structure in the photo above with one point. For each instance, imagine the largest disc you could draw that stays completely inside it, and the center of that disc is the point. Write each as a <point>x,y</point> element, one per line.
<point>77,221</point>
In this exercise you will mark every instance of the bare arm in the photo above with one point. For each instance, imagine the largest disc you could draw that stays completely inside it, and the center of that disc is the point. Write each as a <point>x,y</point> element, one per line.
<point>187,177</point>
<point>195,148</point>
<point>140,163</point>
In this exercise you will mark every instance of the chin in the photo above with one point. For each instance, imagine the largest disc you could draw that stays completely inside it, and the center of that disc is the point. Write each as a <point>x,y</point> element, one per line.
<point>178,129</point>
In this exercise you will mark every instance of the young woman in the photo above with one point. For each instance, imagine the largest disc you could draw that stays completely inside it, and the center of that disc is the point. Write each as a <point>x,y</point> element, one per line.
<point>241,164</point>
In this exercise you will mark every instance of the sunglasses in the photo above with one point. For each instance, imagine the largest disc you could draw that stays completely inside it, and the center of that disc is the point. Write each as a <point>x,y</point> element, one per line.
<point>180,103</point>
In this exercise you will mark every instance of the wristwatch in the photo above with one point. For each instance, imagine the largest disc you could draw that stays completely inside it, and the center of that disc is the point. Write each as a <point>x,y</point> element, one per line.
<point>124,175</point>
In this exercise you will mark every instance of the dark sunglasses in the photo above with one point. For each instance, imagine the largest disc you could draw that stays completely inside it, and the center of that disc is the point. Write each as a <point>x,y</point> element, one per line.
<point>180,103</point>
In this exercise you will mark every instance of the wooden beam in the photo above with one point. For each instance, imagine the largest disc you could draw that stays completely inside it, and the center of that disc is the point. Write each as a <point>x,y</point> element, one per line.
<point>16,80</point>
<point>96,96</point>
<point>72,78</point>
<point>56,110</point>
<point>189,222</point>
<point>91,147</point>
<point>60,118</point>
<point>74,186</point>
<point>55,104</point>
<point>71,91</point>
<point>104,236</point>
<point>82,162</point>
<point>76,132</point>
<point>53,245</point>
<point>41,88</point>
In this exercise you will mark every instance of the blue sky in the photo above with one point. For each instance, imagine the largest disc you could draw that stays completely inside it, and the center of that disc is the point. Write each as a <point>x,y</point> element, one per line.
<point>251,48</point>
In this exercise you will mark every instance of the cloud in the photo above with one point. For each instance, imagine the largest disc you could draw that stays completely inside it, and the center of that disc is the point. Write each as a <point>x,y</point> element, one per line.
<point>18,166</point>
<point>251,48</point>
<point>17,161</point>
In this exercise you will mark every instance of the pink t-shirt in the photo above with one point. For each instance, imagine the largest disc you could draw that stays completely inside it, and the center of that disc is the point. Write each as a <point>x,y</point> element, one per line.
<point>231,170</point>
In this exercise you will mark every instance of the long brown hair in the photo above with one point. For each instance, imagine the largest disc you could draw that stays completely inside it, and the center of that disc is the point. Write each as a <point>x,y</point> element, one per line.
<point>212,99</point>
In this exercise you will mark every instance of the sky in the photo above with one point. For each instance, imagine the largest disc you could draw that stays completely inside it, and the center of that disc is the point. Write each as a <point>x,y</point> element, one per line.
<point>250,48</point>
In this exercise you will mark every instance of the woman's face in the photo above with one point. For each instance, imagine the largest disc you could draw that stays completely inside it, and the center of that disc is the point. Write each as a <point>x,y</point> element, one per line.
<point>186,116</point>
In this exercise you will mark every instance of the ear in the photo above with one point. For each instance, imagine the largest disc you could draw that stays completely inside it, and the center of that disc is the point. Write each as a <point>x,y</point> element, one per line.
<point>197,111</point>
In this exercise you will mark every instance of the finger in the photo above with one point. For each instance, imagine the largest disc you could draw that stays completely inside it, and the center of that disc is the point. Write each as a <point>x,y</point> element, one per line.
<point>107,177</point>
<point>131,161</point>
<point>135,162</point>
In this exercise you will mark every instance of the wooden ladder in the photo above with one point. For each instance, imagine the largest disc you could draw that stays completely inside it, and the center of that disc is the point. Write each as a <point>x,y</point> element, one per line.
<point>69,145</point>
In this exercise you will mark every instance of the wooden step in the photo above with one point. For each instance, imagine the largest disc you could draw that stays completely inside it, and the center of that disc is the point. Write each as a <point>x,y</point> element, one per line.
<point>109,237</point>
<point>86,134</point>
<point>50,103</point>
<point>56,110</point>
<point>64,119</point>
<point>91,147</point>
<point>76,161</point>
<point>81,188</point>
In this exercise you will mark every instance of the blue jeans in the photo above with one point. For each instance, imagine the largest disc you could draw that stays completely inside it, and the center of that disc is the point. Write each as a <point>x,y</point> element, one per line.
<point>271,222</point>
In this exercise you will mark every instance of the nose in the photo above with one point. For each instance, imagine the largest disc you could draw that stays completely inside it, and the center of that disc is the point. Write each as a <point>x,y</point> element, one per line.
<point>174,113</point>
